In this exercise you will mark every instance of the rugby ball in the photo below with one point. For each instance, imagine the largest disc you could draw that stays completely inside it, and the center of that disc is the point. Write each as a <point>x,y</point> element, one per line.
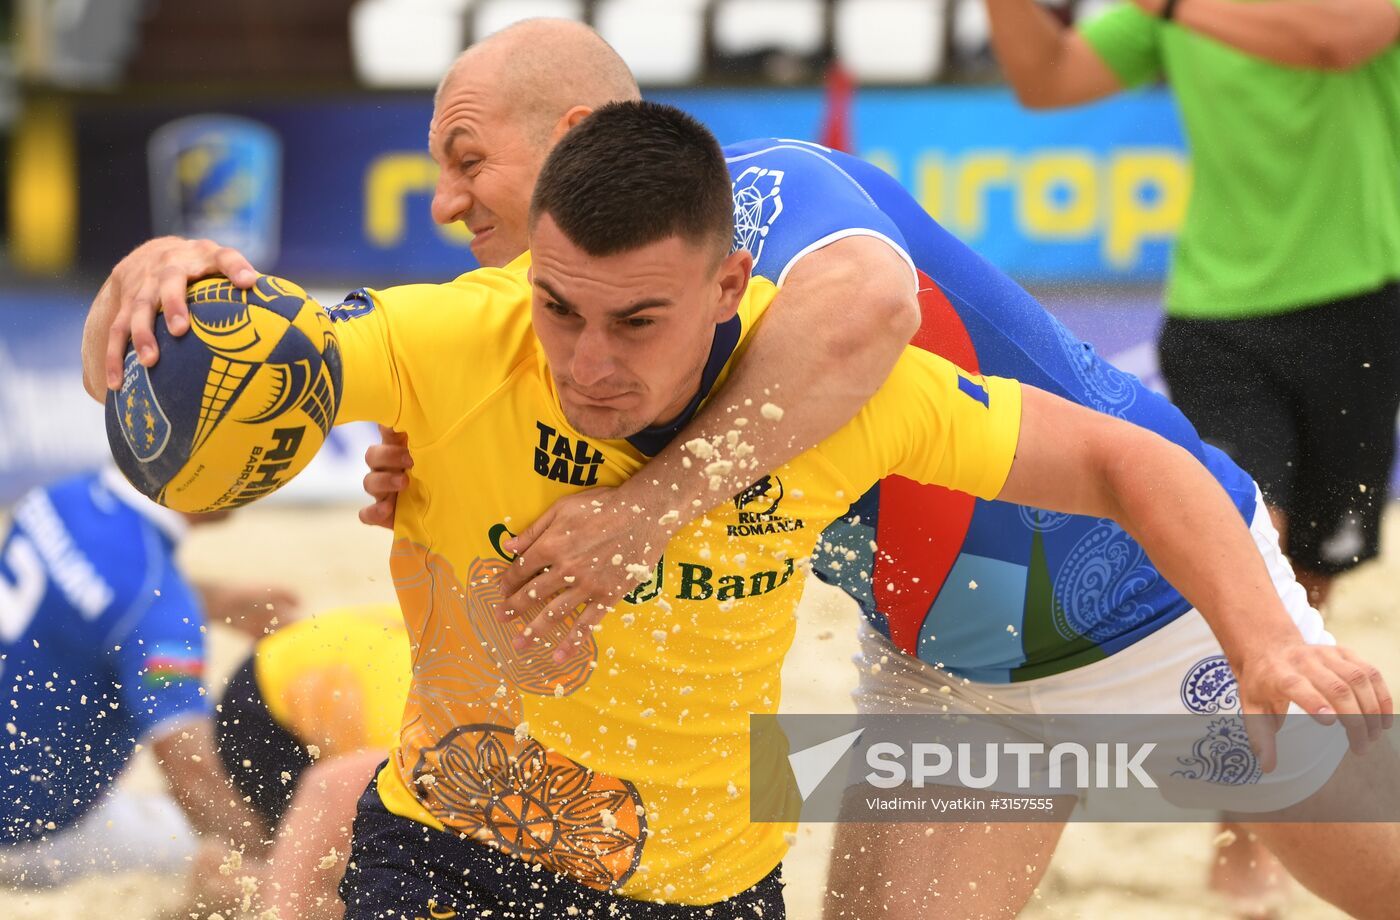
<point>235,407</point>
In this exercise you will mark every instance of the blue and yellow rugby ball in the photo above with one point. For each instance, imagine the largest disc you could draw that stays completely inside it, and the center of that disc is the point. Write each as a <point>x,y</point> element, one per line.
<point>234,408</point>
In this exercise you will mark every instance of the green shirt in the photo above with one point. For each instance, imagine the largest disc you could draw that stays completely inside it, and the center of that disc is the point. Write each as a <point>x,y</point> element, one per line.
<point>1296,173</point>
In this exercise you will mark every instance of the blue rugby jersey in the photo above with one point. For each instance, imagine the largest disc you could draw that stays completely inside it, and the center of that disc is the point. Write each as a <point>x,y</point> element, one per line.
<point>101,646</point>
<point>993,592</point>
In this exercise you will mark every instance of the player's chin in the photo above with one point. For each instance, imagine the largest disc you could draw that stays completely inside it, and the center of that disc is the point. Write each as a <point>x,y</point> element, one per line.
<point>493,250</point>
<point>602,422</point>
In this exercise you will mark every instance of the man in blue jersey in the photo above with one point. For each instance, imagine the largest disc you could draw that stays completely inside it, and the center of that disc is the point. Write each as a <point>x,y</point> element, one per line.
<point>101,653</point>
<point>836,233</point>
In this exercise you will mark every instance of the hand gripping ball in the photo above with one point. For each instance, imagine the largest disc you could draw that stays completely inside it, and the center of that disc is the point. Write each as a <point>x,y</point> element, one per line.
<point>237,406</point>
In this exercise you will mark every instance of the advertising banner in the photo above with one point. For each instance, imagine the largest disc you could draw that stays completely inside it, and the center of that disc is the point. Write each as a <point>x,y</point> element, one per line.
<point>1088,195</point>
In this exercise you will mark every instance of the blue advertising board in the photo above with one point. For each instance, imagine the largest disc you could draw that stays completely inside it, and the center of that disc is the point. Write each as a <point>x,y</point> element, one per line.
<point>1093,194</point>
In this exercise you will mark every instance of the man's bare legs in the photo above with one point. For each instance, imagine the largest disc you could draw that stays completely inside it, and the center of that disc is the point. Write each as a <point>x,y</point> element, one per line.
<point>313,840</point>
<point>1243,870</point>
<point>1246,874</point>
<point>913,871</point>
<point>1352,866</point>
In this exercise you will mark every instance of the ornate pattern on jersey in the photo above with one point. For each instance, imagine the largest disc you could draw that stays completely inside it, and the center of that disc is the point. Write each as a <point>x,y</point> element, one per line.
<point>1041,520</point>
<point>1099,587</point>
<point>1210,687</point>
<point>757,203</point>
<point>1222,755</point>
<point>488,778</point>
<point>535,804</point>
<point>1106,388</point>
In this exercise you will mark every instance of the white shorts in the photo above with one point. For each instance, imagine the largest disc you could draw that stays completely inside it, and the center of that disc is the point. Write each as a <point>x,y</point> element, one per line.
<point>1178,670</point>
<point>127,831</point>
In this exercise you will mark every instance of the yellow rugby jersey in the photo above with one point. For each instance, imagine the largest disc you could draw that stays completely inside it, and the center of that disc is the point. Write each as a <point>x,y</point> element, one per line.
<point>339,679</point>
<point>626,766</point>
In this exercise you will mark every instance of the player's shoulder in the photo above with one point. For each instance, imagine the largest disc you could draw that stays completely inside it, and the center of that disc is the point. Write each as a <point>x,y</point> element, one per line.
<point>751,160</point>
<point>90,511</point>
<point>481,312</point>
<point>922,382</point>
<point>493,295</point>
<point>368,640</point>
<point>775,146</point>
<point>501,295</point>
<point>916,367</point>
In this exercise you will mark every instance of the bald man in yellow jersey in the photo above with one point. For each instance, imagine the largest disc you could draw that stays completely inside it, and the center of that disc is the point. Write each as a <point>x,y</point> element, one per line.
<point>610,778</point>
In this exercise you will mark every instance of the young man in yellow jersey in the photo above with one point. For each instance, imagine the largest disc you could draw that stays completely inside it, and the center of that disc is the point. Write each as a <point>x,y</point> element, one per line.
<point>620,764</point>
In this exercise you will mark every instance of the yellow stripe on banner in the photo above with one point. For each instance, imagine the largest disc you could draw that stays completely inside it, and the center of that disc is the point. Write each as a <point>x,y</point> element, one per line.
<point>389,181</point>
<point>44,189</point>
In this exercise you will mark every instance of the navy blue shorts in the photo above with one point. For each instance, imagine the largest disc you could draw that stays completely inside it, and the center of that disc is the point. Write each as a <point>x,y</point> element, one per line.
<point>402,869</point>
<point>264,760</point>
<point>1306,402</point>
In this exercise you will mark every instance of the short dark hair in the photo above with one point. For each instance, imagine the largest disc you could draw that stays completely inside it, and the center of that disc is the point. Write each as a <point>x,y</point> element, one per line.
<point>635,173</point>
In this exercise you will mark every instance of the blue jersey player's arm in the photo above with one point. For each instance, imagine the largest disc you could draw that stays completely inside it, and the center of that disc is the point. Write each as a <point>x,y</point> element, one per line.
<point>159,663</point>
<point>847,306</point>
<point>159,660</point>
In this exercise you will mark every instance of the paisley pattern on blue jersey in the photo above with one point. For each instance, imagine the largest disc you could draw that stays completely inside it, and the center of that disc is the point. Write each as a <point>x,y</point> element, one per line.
<point>1104,387</point>
<point>1042,521</point>
<point>1101,585</point>
<point>991,592</point>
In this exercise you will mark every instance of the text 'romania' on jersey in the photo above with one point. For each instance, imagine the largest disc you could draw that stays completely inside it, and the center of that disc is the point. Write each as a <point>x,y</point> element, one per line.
<point>626,766</point>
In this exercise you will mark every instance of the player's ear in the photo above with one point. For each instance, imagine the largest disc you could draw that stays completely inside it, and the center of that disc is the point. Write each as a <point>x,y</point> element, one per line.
<point>732,277</point>
<point>569,121</point>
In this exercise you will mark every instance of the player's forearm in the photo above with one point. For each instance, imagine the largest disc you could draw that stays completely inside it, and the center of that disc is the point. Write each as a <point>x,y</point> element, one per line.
<point>1030,45</point>
<point>1316,34</point>
<point>1194,534</point>
<point>203,791</point>
<point>826,344</point>
<point>253,610</point>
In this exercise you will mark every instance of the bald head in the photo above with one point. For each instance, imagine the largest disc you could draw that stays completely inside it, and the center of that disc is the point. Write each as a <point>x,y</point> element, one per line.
<point>504,102</point>
<point>545,67</point>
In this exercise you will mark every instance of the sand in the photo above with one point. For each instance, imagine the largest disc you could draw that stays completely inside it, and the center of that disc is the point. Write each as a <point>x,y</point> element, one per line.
<point>1101,871</point>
